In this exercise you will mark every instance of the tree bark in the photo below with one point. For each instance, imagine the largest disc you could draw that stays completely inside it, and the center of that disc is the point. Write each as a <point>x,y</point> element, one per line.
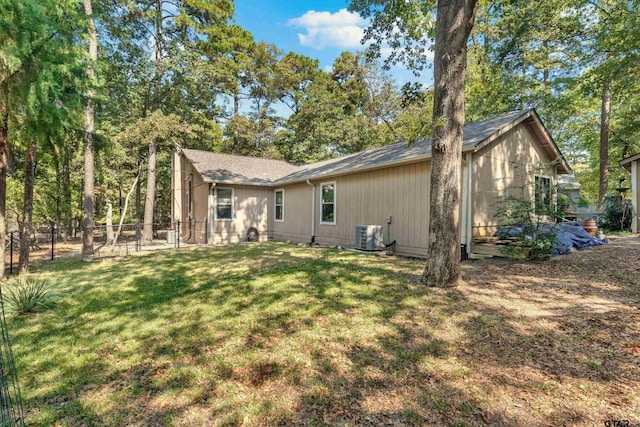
<point>454,22</point>
<point>58,197</point>
<point>89,127</point>
<point>4,164</point>
<point>27,211</point>
<point>68,209</point>
<point>150,196</point>
<point>126,204</point>
<point>147,229</point>
<point>605,115</point>
<point>109,223</point>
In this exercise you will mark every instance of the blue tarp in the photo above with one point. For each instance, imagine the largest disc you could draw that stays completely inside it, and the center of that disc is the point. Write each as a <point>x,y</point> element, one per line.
<point>568,235</point>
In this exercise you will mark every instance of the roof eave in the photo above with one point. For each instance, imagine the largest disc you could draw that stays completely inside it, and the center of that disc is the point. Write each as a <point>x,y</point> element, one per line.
<point>562,164</point>
<point>626,162</point>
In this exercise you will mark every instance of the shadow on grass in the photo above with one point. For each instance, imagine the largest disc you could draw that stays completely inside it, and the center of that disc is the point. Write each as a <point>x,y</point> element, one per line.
<point>343,338</point>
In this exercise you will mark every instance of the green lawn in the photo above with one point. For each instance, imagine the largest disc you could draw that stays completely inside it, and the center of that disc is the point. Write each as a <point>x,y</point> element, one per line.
<point>276,334</point>
<point>268,333</point>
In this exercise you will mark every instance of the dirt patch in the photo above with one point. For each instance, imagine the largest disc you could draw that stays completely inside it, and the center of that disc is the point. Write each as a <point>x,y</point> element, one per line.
<point>558,340</point>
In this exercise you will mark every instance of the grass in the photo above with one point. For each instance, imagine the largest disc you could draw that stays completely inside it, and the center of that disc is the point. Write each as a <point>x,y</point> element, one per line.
<point>267,334</point>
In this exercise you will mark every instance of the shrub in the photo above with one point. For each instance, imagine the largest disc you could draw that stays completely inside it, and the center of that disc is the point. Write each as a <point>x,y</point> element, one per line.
<point>616,214</point>
<point>527,218</point>
<point>28,294</point>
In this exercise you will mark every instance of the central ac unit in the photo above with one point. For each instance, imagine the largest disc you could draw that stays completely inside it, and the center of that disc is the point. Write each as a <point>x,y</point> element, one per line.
<point>369,237</point>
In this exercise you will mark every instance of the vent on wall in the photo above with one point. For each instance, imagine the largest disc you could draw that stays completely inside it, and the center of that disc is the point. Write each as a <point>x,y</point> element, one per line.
<point>368,237</point>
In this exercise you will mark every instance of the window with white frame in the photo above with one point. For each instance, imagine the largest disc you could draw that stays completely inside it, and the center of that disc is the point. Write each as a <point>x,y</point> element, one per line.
<point>279,205</point>
<point>224,204</point>
<point>328,203</point>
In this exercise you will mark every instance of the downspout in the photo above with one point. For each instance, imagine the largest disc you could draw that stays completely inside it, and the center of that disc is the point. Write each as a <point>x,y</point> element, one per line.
<point>210,212</point>
<point>469,201</point>
<point>313,213</point>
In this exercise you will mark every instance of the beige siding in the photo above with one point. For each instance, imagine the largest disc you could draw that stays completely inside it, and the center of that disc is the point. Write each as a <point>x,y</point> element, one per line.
<point>507,165</point>
<point>296,226</point>
<point>192,225</point>
<point>400,192</point>
<point>252,207</point>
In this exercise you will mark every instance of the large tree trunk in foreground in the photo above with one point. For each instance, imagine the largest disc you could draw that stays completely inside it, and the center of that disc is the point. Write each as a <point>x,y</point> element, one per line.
<point>4,164</point>
<point>27,212</point>
<point>454,22</point>
<point>87,219</point>
<point>149,201</point>
<point>603,187</point>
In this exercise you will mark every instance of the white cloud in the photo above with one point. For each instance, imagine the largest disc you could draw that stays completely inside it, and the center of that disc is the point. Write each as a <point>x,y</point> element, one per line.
<point>342,29</point>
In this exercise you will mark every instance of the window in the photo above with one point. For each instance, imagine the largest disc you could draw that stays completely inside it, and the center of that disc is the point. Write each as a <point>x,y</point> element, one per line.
<point>328,203</point>
<point>224,204</point>
<point>279,205</point>
<point>543,195</point>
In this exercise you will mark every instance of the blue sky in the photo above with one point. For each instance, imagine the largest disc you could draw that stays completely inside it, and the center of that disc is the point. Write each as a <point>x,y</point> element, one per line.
<point>319,29</point>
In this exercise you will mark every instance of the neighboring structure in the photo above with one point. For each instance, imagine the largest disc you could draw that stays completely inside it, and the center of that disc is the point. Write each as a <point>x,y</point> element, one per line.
<point>389,186</point>
<point>632,164</point>
<point>569,186</point>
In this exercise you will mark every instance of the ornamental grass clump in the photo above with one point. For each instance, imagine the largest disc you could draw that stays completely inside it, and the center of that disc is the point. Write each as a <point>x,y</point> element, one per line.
<point>29,294</point>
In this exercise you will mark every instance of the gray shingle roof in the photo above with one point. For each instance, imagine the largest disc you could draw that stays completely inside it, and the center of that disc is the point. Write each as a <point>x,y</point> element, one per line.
<point>230,169</point>
<point>474,134</point>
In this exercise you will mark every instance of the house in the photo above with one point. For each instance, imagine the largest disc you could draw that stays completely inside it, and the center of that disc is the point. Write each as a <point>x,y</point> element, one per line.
<point>220,198</point>
<point>632,164</point>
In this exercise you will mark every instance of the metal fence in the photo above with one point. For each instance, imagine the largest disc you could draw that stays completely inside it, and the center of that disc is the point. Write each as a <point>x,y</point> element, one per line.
<point>52,241</point>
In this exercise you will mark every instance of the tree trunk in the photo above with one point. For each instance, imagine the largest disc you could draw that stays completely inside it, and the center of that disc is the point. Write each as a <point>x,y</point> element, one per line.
<point>109,221</point>
<point>68,209</point>
<point>454,22</point>
<point>138,217</point>
<point>27,211</point>
<point>605,115</point>
<point>4,164</point>
<point>149,202</point>
<point>87,219</point>
<point>147,230</point>
<point>126,204</point>
<point>58,196</point>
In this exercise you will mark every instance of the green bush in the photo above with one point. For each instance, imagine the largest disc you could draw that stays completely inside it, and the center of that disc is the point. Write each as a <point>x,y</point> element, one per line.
<point>533,215</point>
<point>28,295</point>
